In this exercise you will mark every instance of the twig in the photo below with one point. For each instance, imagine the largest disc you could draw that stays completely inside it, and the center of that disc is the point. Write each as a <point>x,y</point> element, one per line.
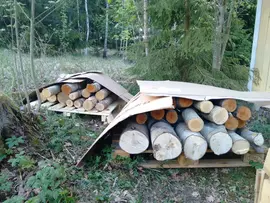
<point>70,154</point>
<point>52,155</point>
<point>115,181</point>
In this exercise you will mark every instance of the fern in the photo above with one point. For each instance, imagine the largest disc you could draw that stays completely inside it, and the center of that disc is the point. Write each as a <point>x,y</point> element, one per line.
<point>14,141</point>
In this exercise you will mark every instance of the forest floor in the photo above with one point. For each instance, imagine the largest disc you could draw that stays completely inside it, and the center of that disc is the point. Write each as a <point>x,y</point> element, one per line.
<point>46,168</point>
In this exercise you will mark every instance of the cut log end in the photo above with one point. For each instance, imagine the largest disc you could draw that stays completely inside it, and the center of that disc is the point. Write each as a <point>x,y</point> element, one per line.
<point>220,143</point>
<point>158,114</point>
<point>68,88</point>
<point>51,90</point>
<point>258,139</point>
<point>231,123</point>
<point>241,147</point>
<point>204,106</point>
<point>172,116</point>
<point>218,115</point>
<point>94,87</point>
<point>86,93</point>
<point>195,147</point>
<point>241,124</point>
<point>69,103</point>
<point>102,94</point>
<point>184,102</point>
<point>79,102</point>
<point>141,118</point>
<point>229,104</point>
<point>89,103</point>
<point>52,98</point>
<point>243,113</point>
<point>195,125</point>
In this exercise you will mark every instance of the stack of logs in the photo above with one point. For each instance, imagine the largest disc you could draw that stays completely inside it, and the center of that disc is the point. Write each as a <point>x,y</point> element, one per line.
<point>191,126</point>
<point>79,95</point>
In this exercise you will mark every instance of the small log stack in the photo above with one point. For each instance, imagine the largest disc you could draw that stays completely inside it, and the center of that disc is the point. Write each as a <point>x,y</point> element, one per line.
<point>80,95</point>
<point>192,126</point>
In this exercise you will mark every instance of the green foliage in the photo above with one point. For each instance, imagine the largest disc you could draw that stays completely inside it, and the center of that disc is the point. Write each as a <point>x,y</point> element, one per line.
<point>49,180</point>
<point>22,161</point>
<point>5,184</point>
<point>14,141</point>
<point>15,199</point>
<point>256,165</point>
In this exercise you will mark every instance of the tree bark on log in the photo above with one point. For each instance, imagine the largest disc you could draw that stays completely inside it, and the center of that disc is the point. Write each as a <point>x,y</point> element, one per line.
<point>172,116</point>
<point>102,94</point>
<point>204,106</point>
<point>229,104</point>
<point>62,97</point>
<point>75,95</point>
<point>217,137</point>
<point>240,145</point>
<point>241,124</point>
<point>70,87</point>
<point>69,103</point>
<point>79,102</point>
<point>243,113</point>
<point>141,118</point>
<point>158,114</point>
<point>103,104</point>
<point>231,123</point>
<point>252,137</point>
<point>52,98</point>
<point>193,120</point>
<point>134,138</point>
<point>184,102</point>
<point>85,93</point>
<point>49,91</point>
<point>90,103</point>
<point>165,142</point>
<point>94,87</point>
<point>194,143</point>
<point>218,115</point>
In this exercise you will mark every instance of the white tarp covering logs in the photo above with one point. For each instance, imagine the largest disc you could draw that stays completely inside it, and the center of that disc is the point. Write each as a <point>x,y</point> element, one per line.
<point>202,114</point>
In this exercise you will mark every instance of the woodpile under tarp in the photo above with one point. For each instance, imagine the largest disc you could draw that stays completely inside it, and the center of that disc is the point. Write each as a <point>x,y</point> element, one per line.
<point>184,118</point>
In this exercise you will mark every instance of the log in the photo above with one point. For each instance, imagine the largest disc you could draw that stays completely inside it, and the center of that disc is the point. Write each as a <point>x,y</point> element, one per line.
<point>158,114</point>
<point>42,97</point>
<point>192,119</point>
<point>172,116</point>
<point>218,115</point>
<point>103,104</point>
<point>217,137</point>
<point>231,123</point>
<point>243,113</point>
<point>165,142</point>
<point>52,98</point>
<point>75,95</point>
<point>94,87</point>
<point>79,102</point>
<point>69,103</point>
<point>241,124</point>
<point>229,104</point>
<point>240,145</point>
<point>134,138</point>
<point>141,118</point>
<point>174,102</point>
<point>194,144</point>
<point>51,90</point>
<point>62,97</point>
<point>184,102</point>
<point>252,137</point>
<point>102,94</point>
<point>204,106</point>
<point>70,87</point>
<point>86,93</point>
<point>90,103</point>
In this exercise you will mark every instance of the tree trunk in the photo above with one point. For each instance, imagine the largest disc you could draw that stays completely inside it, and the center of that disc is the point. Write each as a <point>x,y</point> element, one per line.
<point>240,145</point>
<point>229,104</point>
<point>90,103</point>
<point>106,30</point>
<point>51,90</point>
<point>252,137</point>
<point>204,106</point>
<point>79,102</point>
<point>70,87</point>
<point>134,138</point>
<point>165,142</point>
<point>62,97</point>
<point>94,87</point>
<point>87,27</point>
<point>194,143</point>
<point>78,18</point>
<point>231,123</point>
<point>158,114</point>
<point>52,98</point>
<point>20,58</point>
<point>172,116</point>
<point>193,120</point>
<point>217,137</point>
<point>243,113</point>
<point>75,95</point>
<point>102,105</point>
<point>145,27</point>
<point>86,93</point>
<point>184,103</point>
<point>141,118</point>
<point>102,94</point>
<point>218,115</point>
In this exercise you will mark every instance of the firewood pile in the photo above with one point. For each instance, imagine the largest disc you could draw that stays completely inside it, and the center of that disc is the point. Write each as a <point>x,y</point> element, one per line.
<point>191,127</point>
<point>79,95</point>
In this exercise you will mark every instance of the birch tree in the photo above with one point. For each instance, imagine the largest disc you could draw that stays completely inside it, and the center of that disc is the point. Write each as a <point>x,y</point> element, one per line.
<point>87,27</point>
<point>106,29</point>
<point>145,27</point>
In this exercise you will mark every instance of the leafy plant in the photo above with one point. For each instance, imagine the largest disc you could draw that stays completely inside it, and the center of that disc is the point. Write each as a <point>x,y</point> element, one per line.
<point>15,199</point>
<point>22,161</point>
<point>14,141</point>
<point>5,184</point>
<point>256,165</point>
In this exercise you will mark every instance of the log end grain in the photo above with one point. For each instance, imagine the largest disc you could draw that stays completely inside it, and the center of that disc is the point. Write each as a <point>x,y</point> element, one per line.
<point>258,139</point>
<point>229,104</point>
<point>195,124</point>
<point>204,106</point>
<point>52,98</point>
<point>86,93</point>
<point>243,113</point>
<point>141,118</point>
<point>172,116</point>
<point>220,143</point>
<point>240,147</point>
<point>241,124</point>
<point>195,147</point>
<point>66,89</point>
<point>94,87</point>
<point>184,102</point>
<point>79,102</point>
<point>158,114</point>
<point>231,123</point>
<point>69,103</point>
<point>219,115</point>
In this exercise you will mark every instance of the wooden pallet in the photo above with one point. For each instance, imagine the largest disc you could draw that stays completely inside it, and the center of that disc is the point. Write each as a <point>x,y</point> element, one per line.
<point>210,160</point>
<point>106,116</point>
